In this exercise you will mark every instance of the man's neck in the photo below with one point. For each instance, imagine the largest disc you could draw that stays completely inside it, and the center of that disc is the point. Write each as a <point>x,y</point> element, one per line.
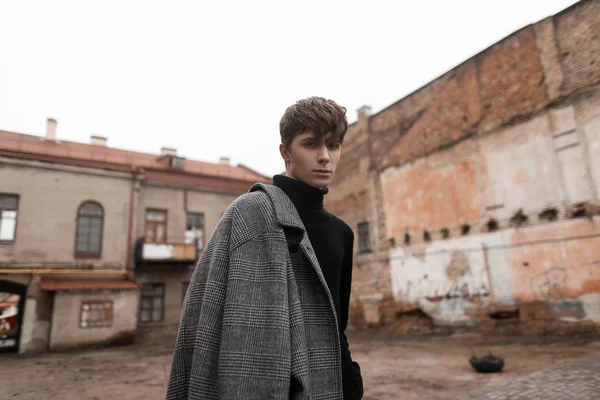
<point>289,175</point>
<point>301,193</point>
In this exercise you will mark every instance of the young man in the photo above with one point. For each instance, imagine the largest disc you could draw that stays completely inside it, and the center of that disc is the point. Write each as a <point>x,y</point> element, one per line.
<point>267,307</point>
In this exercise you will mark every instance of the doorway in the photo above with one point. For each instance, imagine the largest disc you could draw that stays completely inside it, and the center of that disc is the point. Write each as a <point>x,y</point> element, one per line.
<point>12,307</point>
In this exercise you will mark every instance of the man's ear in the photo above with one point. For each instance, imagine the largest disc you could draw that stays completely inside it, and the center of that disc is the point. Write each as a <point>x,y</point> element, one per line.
<point>285,153</point>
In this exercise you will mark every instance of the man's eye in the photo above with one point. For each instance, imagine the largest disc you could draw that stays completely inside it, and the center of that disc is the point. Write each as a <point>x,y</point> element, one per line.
<point>335,145</point>
<point>309,144</point>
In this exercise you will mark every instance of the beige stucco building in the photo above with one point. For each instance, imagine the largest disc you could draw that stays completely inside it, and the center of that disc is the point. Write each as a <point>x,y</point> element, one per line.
<point>97,241</point>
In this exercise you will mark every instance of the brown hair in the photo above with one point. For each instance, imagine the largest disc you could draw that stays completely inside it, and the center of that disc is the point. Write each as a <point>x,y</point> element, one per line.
<point>315,114</point>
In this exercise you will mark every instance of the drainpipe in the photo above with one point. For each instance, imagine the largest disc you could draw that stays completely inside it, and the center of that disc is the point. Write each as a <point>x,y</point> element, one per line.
<point>129,265</point>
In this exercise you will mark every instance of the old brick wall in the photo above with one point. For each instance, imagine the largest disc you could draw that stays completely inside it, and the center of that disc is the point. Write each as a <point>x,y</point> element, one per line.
<point>505,143</point>
<point>577,32</point>
<point>533,68</point>
<point>351,199</point>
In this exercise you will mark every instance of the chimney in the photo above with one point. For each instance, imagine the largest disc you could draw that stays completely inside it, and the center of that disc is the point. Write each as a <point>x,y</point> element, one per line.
<point>98,140</point>
<point>168,151</point>
<point>51,129</point>
<point>224,161</point>
<point>364,112</point>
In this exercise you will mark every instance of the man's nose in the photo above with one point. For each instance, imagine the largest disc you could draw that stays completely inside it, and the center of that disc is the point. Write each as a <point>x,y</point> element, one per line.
<point>323,155</point>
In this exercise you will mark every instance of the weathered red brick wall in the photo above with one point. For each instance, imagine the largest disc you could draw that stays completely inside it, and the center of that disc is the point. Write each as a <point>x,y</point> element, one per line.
<point>512,79</point>
<point>577,32</point>
<point>553,63</point>
<point>351,199</point>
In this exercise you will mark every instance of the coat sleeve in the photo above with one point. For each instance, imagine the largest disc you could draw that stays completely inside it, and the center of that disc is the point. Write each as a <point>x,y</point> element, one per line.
<point>195,356</point>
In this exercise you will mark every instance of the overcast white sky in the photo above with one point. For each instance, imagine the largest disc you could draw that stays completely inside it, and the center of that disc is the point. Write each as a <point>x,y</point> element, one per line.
<point>212,78</point>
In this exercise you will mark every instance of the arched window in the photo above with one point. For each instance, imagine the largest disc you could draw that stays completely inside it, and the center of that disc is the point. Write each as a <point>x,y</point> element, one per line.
<point>88,240</point>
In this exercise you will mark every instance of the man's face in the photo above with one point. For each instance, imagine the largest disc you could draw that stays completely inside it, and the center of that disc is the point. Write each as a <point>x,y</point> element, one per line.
<point>312,161</point>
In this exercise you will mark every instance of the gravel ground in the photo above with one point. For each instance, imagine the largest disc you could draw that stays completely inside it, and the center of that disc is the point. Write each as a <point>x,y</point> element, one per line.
<point>393,368</point>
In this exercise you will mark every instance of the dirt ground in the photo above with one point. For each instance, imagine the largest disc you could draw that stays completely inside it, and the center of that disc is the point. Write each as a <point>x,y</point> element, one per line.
<point>393,368</point>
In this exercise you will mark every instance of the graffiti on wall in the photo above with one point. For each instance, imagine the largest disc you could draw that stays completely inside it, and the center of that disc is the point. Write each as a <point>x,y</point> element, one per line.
<point>549,285</point>
<point>465,292</point>
<point>448,278</point>
<point>445,282</point>
<point>594,268</point>
<point>439,288</point>
<point>444,290</point>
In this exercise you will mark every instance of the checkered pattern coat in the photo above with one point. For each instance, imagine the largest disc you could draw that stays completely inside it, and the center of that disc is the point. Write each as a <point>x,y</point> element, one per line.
<point>258,321</point>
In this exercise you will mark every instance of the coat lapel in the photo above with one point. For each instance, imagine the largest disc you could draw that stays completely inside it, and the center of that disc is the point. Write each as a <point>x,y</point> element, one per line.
<point>285,211</point>
<point>287,216</point>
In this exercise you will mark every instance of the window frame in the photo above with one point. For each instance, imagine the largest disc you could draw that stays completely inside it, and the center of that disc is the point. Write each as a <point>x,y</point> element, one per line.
<point>166,213</point>
<point>18,197</point>
<point>361,231</point>
<point>203,216</point>
<point>89,254</point>
<point>163,299</point>
<point>106,324</point>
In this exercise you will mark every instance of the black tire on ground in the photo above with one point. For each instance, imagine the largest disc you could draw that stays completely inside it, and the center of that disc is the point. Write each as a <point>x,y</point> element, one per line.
<point>486,364</point>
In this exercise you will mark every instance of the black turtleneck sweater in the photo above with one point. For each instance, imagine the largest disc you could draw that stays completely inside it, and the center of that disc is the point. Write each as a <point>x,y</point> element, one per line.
<point>332,239</point>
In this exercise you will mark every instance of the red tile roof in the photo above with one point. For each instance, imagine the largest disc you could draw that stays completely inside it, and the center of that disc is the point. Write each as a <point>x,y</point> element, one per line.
<point>53,284</point>
<point>95,156</point>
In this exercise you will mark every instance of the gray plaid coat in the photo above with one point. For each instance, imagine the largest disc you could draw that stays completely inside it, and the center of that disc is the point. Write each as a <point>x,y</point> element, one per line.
<point>258,321</point>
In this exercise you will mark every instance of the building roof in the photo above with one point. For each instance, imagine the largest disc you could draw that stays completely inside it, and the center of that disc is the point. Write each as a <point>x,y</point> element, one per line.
<point>193,173</point>
<point>54,284</point>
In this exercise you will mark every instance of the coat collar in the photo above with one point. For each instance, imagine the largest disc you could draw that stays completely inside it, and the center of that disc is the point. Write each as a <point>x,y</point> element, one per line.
<point>287,215</point>
<point>285,211</point>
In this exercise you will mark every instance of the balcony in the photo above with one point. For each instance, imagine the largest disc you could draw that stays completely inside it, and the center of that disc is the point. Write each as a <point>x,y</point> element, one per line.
<point>165,253</point>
